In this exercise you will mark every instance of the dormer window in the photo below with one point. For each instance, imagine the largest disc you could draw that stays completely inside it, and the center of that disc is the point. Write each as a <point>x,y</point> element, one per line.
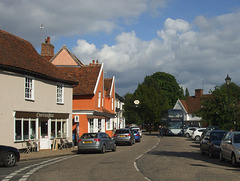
<point>29,88</point>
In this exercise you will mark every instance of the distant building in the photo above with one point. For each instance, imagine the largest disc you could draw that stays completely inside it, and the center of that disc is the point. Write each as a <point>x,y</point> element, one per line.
<point>119,120</point>
<point>190,106</point>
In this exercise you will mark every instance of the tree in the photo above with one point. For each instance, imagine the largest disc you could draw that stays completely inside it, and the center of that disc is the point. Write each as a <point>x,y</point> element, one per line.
<point>158,93</point>
<point>187,93</point>
<point>152,103</point>
<point>216,108</point>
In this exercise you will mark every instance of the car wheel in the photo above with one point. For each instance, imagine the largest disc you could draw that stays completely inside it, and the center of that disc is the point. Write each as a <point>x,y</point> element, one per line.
<point>131,143</point>
<point>197,138</point>
<point>233,159</point>
<point>221,157</point>
<point>103,149</point>
<point>187,135</point>
<point>9,159</point>
<point>114,147</point>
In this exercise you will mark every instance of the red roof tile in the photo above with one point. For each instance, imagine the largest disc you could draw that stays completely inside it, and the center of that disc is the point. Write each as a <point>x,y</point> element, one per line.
<point>19,55</point>
<point>87,77</point>
<point>108,85</point>
<point>193,103</point>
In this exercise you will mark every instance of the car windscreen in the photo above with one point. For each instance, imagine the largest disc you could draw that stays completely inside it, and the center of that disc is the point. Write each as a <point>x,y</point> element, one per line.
<point>89,135</point>
<point>236,138</point>
<point>122,131</point>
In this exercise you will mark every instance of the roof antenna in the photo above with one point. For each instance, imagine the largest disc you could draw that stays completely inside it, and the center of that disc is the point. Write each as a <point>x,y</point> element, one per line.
<point>41,28</point>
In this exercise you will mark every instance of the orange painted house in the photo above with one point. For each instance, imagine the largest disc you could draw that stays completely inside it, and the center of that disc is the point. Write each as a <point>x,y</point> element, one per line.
<point>93,97</point>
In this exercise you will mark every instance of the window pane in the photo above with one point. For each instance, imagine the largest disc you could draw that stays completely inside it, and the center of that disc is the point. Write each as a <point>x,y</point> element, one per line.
<point>18,130</point>
<point>25,130</point>
<point>59,129</point>
<point>53,129</point>
<point>44,129</point>
<point>33,130</point>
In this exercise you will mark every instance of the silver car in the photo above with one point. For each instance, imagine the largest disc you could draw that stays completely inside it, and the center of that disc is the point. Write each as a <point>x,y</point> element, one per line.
<point>99,142</point>
<point>124,136</point>
<point>230,148</point>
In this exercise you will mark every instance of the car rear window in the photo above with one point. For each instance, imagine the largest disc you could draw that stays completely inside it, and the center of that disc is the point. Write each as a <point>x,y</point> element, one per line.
<point>217,135</point>
<point>122,131</point>
<point>135,130</point>
<point>89,135</point>
<point>236,138</point>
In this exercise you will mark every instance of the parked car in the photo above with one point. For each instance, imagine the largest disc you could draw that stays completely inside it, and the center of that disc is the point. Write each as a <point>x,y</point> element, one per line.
<point>138,129</point>
<point>196,135</point>
<point>9,155</point>
<point>124,136</point>
<point>210,143</point>
<point>230,148</point>
<point>209,128</point>
<point>99,142</point>
<point>136,135</point>
<point>188,132</point>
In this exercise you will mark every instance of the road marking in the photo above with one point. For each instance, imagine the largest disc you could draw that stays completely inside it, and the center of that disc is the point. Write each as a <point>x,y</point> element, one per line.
<point>39,165</point>
<point>135,162</point>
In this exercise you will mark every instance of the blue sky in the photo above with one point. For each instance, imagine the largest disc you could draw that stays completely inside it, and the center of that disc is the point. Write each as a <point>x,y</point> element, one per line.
<point>197,41</point>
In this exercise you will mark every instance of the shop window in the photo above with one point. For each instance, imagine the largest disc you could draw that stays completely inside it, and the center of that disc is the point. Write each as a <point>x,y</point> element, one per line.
<point>25,129</point>
<point>60,94</point>
<point>29,88</point>
<point>108,124</point>
<point>18,130</point>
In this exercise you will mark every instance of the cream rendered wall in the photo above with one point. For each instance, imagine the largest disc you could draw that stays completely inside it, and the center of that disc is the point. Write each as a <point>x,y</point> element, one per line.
<point>12,99</point>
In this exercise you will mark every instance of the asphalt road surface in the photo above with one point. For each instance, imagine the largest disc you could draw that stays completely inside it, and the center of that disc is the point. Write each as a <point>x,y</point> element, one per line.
<point>153,159</point>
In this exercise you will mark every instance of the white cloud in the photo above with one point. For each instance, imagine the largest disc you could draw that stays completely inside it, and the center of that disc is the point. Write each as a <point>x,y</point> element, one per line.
<point>68,18</point>
<point>197,58</point>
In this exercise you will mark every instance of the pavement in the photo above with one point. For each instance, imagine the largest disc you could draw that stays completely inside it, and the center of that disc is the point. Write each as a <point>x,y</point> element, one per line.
<point>48,153</point>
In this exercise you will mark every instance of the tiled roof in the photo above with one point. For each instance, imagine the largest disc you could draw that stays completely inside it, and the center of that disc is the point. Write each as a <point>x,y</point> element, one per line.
<point>192,103</point>
<point>86,75</point>
<point>17,54</point>
<point>108,85</point>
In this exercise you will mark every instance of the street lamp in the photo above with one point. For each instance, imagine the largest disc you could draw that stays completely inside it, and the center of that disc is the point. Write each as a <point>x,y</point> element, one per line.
<point>228,81</point>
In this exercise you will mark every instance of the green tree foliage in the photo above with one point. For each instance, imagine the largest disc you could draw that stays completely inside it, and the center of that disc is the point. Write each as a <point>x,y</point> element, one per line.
<point>217,108</point>
<point>158,93</point>
<point>187,93</point>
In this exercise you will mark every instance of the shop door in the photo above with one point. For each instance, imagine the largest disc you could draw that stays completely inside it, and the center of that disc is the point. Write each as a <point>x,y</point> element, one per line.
<point>44,138</point>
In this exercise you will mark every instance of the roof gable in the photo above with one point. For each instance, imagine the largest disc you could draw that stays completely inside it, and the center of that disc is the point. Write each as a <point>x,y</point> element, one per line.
<point>17,54</point>
<point>65,58</point>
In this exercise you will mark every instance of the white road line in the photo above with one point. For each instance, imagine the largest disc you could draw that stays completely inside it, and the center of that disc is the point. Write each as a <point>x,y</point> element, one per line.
<point>135,163</point>
<point>39,165</point>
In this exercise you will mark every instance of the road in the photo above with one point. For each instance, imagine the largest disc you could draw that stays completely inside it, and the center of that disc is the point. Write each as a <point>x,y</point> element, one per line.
<point>168,158</point>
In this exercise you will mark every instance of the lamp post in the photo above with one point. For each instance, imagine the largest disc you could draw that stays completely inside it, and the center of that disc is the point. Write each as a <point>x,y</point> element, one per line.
<point>228,81</point>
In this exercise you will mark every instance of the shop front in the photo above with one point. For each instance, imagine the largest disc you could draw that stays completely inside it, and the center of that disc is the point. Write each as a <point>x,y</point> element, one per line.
<point>42,127</point>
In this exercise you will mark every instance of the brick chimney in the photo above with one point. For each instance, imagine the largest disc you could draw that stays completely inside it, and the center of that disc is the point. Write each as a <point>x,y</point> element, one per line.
<point>47,49</point>
<point>198,93</point>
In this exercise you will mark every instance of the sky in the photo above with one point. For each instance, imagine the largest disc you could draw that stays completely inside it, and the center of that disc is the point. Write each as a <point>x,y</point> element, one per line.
<point>196,41</point>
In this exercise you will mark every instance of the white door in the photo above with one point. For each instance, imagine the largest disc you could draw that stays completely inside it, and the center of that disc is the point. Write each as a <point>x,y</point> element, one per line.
<point>44,138</point>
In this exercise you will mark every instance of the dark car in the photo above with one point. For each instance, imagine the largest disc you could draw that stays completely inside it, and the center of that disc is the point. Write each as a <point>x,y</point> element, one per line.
<point>9,155</point>
<point>210,142</point>
<point>99,142</point>
<point>124,136</point>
